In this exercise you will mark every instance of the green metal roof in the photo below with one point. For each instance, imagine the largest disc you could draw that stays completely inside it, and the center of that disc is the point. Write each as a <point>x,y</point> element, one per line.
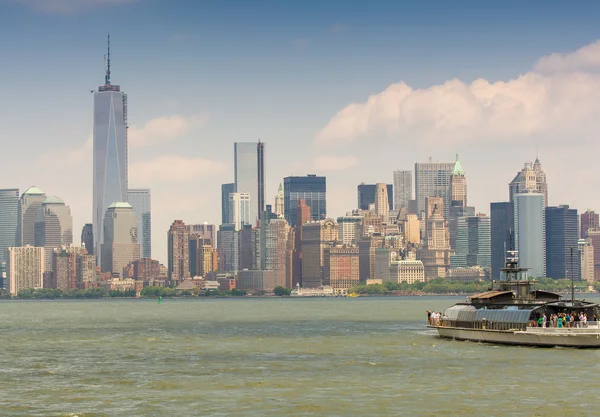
<point>53,200</point>
<point>120,204</point>
<point>458,169</point>
<point>33,190</point>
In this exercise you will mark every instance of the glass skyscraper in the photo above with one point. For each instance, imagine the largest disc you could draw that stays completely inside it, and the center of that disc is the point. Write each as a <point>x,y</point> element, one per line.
<point>9,221</point>
<point>140,200</point>
<point>502,218</point>
<point>432,179</point>
<point>402,189</point>
<point>249,175</point>
<point>472,243</point>
<point>562,229</point>
<point>530,232</point>
<point>110,153</point>
<point>311,189</point>
<point>226,189</point>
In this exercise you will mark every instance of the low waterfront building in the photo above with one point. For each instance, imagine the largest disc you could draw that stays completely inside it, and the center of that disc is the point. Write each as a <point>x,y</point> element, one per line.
<point>406,270</point>
<point>260,280</point>
<point>468,274</point>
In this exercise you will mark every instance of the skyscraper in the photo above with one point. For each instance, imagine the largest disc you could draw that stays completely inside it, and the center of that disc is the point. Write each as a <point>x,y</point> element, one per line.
<point>531,178</point>
<point>502,219</point>
<point>277,233</point>
<point>228,248</point>
<point>226,189</point>
<point>458,185</point>
<point>311,189</point>
<point>140,200</point>
<point>302,216</point>
<point>472,243</point>
<point>87,238</point>
<point>206,231</point>
<point>530,232</point>
<point>120,245</point>
<point>367,195</point>
<point>9,221</point>
<point>589,220</point>
<point>562,236</point>
<point>279,206</point>
<point>402,189</point>
<point>433,179</point>
<point>382,206</point>
<point>31,201</point>
<point>249,175</point>
<point>110,153</point>
<point>178,236</point>
<point>24,268</point>
<point>435,253</point>
<point>240,207</point>
<point>53,227</point>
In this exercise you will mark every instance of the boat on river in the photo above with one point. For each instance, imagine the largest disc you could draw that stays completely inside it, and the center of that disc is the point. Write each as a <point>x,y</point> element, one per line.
<point>512,313</point>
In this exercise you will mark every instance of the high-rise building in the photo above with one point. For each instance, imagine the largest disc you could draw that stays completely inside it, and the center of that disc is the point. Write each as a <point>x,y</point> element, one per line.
<point>367,196</point>
<point>87,238</point>
<point>31,201</point>
<point>110,153</point>
<point>349,228</point>
<point>140,200</point>
<point>341,268</point>
<point>121,244</point>
<point>457,211</point>
<point>178,241</point>
<point>562,235</point>
<point>145,269</point>
<point>458,185</point>
<point>312,255</point>
<point>228,248</point>
<point>64,267</point>
<point>24,268</point>
<point>594,238</point>
<point>53,227</point>
<point>249,175</point>
<point>435,253</point>
<point>250,247</point>
<point>277,233</point>
<point>9,221</point>
<point>531,178</point>
<point>206,231</point>
<point>240,209</point>
<point>207,260</point>
<point>367,247</point>
<point>302,216</point>
<point>382,206</point>
<point>433,179</point>
<point>530,232</point>
<point>412,231</point>
<point>586,260</point>
<point>589,220</point>
<point>279,205</point>
<point>226,189</point>
<point>502,219</point>
<point>473,243</point>
<point>311,189</point>
<point>402,189</point>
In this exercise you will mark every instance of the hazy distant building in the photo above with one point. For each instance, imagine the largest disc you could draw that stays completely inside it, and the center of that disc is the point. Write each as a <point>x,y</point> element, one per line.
<point>562,236</point>
<point>594,238</point>
<point>141,201</point>
<point>240,210</point>
<point>586,260</point>
<point>277,233</point>
<point>311,189</point>
<point>259,280</point>
<point>349,228</point>
<point>433,179</point>
<point>249,250</point>
<point>279,202</point>
<point>458,185</point>
<point>402,189</point>
<point>412,232</point>
<point>53,227</point>
<point>367,247</point>
<point>531,178</point>
<point>341,268</point>
<point>406,270</point>
<point>367,196</point>
<point>315,236</point>
<point>9,221</point>
<point>121,244</point>
<point>502,219</point>
<point>24,268</point>
<point>302,216</point>
<point>435,253</point>
<point>457,211</point>
<point>145,269</point>
<point>207,260</point>
<point>206,231</point>
<point>178,239</point>
<point>228,248</point>
<point>249,175</point>
<point>382,206</point>
<point>530,232</point>
<point>87,238</point>
<point>31,201</point>
<point>589,220</point>
<point>226,189</point>
<point>64,267</point>
<point>472,243</point>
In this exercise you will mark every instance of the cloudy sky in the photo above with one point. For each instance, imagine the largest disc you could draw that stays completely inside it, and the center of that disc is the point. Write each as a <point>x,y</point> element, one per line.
<point>350,90</point>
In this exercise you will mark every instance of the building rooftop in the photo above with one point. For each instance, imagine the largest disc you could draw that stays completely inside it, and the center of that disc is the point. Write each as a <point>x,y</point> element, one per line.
<point>120,204</point>
<point>33,190</point>
<point>53,200</point>
<point>458,169</point>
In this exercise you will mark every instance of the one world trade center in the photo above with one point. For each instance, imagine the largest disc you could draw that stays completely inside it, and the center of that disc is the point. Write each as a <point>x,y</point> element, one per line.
<point>110,152</point>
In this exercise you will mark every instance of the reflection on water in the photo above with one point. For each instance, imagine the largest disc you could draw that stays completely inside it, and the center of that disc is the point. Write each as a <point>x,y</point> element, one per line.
<point>272,357</point>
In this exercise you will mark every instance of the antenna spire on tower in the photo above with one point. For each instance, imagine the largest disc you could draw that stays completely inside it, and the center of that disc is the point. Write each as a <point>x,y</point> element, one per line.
<point>107,76</point>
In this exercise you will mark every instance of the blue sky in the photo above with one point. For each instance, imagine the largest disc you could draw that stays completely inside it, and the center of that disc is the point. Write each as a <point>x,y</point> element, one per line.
<point>201,75</point>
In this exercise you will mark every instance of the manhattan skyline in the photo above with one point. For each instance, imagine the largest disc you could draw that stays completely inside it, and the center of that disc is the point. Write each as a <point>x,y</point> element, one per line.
<point>205,78</point>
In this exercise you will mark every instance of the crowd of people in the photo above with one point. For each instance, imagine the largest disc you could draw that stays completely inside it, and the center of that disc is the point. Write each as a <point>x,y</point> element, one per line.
<point>433,318</point>
<point>563,320</point>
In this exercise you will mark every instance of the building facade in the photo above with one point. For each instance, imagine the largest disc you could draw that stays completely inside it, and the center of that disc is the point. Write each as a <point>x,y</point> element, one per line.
<point>206,231</point>
<point>458,185</point>
<point>562,236</point>
<point>402,189</point>
<point>277,233</point>
<point>502,225</point>
<point>87,238</point>
<point>249,175</point>
<point>407,270</point>
<point>9,221</point>
<point>31,201</point>
<point>589,220</point>
<point>279,202</point>
<point>240,209</point>
<point>341,268</point>
<point>141,201</point>
<point>433,179</point>
<point>530,232</point>
<point>367,196</point>
<point>24,268</point>
<point>531,178</point>
<point>226,189</point>
<point>473,243</point>
<point>120,245</point>
<point>312,189</point>
<point>53,227</point>
<point>382,206</point>
<point>349,228</point>
<point>228,248</point>
<point>178,238</point>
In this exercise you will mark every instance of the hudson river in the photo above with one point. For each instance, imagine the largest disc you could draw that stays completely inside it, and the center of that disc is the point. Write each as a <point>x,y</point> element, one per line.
<point>257,357</point>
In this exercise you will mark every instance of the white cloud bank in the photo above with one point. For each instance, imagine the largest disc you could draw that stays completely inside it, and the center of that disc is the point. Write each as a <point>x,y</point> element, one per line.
<point>163,129</point>
<point>557,101</point>
<point>335,163</point>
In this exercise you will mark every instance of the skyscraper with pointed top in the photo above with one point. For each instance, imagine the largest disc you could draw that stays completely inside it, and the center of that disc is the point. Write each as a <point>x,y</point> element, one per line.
<point>458,185</point>
<point>110,152</point>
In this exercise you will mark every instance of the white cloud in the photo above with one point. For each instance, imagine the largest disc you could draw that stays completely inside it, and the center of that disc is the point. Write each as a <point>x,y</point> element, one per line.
<point>335,163</point>
<point>163,129</point>
<point>69,6</point>
<point>583,59</point>
<point>558,106</point>
<point>173,168</point>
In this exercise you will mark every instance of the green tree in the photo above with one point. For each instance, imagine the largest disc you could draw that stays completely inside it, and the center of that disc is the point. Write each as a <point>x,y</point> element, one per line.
<point>281,291</point>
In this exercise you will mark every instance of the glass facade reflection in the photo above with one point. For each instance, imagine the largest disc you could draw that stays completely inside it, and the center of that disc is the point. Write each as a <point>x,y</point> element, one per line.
<point>140,200</point>
<point>562,230</point>
<point>9,221</point>
<point>249,175</point>
<point>311,189</point>
<point>502,219</point>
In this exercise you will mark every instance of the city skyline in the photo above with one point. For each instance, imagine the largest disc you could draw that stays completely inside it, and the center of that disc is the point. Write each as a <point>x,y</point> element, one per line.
<point>172,130</point>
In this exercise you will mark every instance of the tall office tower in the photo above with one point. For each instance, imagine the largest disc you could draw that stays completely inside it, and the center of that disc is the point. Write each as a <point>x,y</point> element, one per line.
<point>140,200</point>
<point>341,268</point>
<point>64,267</point>
<point>349,228</point>
<point>228,248</point>
<point>206,231</point>
<point>53,227</point>
<point>110,153</point>
<point>433,179</point>
<point>87,238</point>
<point>249,175</point>
<point>412,230</point>
<point>589,220</point>
<point>193,245</point>
<point>226,189</point>
<point>279,206</point>
<point>24,268</point>
<point>586,260</point>
<point>240,209</point>
<point>531,178</point>
<point>9,221</point>
<point>312,254</point>
<point>367,196</point>
<point>178,239</point>
<point>302,216</point>
<point>277,233</point>
<point>530,232</point>
<point>367,247</point>
<point>382,207</point>
<point>207,260</point>
<point>458,185</point>
<point>31,201</point>
<point>435,254</point>
<point>473,243</point>
<point>121,244</point>
<point>86,269</point>
<point>562,235</point>
<point>457,211</point>
<point>249,251</point>
<point>502,219</point>
<point>402,189</point>
<point>311,189</point>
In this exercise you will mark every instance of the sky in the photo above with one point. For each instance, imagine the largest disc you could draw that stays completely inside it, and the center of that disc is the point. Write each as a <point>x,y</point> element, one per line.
<point>350,90</point>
